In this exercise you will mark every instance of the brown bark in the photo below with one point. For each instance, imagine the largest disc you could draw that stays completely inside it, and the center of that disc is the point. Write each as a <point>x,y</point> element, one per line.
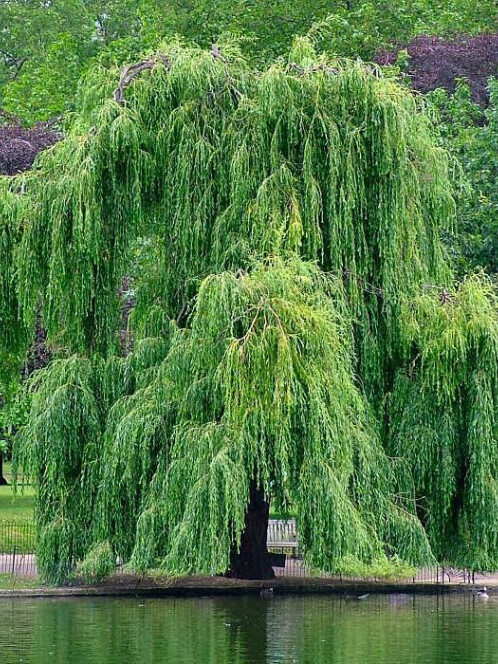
<point>252,561</point>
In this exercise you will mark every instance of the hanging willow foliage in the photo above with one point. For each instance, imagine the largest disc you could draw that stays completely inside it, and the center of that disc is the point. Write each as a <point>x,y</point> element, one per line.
<point>279,227</point>
<point>157,450</point>
<point>445,416</point>
<point>13,333</point>
<point>213,163</point>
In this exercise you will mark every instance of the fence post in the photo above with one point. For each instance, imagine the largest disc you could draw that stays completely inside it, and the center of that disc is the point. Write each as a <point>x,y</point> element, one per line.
<point>14,561</point>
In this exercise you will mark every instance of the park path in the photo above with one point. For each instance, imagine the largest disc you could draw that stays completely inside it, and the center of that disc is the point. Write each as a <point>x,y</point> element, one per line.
<point>20,564</point>
<point>24,565</point>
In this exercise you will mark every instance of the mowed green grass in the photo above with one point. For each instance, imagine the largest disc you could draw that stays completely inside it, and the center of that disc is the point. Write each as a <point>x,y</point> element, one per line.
<point>17,528</point>
<point>16,507</point>
<point>10,582</point>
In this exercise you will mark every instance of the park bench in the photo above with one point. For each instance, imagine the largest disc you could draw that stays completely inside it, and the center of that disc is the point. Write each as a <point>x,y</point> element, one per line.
<point>282,536</point>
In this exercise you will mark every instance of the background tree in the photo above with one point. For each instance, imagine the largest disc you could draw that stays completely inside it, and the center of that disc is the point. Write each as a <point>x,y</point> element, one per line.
<point>457,73</point>
<point>43,50</point>
<point>432,62</point>
<point>362,28</point>
<point>18,149</point>
<point>19,146</point>
<point>470,133</point>
<point>46,47</point>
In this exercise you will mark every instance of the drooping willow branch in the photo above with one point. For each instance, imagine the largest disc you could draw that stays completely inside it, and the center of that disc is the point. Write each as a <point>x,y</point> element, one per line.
<point>132,71</point>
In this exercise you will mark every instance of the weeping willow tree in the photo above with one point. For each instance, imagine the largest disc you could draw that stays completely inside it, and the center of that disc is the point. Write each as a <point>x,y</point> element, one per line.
<point>297,336</point>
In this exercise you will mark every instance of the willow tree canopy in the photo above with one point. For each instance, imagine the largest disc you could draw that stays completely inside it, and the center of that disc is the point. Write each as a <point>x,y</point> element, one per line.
<point>296,330</point>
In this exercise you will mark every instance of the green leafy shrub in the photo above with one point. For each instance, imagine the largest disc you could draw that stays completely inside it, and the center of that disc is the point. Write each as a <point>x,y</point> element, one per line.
<point>99,563</point>
<point>386,569</point>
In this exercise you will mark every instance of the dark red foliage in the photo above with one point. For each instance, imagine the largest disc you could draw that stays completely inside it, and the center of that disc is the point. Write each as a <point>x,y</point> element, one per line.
<point>436,62</point>
<point>19,145</point>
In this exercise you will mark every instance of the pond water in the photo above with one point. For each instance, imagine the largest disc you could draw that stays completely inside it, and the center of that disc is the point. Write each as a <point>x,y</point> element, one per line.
<point>393,629</point>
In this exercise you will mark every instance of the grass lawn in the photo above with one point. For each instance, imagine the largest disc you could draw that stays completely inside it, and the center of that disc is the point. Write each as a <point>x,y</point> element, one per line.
<point>17,529</point>
<point>9,582</point>
<point>15,507</point>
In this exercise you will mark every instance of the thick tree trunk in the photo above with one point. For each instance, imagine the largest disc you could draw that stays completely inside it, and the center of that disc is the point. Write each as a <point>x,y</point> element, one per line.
<point>252,560</point>
<point>3,481</point>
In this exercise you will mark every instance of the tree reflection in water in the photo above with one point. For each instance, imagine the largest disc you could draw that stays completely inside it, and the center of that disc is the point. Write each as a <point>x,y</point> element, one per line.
<point>251,630</point>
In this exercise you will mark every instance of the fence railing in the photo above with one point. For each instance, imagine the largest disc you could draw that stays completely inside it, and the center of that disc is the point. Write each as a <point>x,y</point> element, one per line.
<point>282,538</point>
<point>17,548</point>
<point>18,556</point>
<point>19,536</point>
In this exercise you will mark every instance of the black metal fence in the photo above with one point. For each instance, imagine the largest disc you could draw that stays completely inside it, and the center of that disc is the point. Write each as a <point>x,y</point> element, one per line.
<point>18,556</point>
<point>17,548</point>
<point>282,538</point>
<point>17,536</point>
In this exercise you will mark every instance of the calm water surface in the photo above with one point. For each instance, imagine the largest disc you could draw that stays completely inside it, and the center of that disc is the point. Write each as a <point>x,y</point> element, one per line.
<point>395,629</point>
